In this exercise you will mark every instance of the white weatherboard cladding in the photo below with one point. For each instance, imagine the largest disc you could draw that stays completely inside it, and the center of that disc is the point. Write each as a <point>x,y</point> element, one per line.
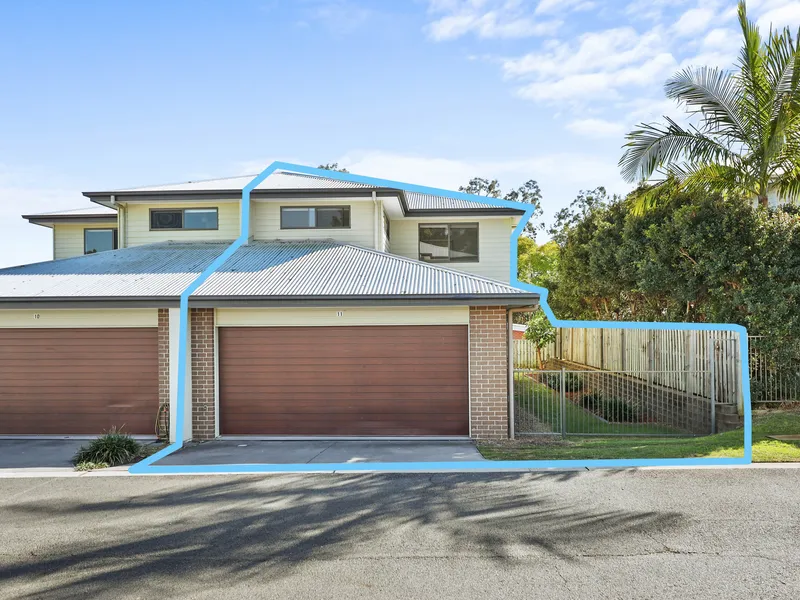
<point>138,223</point>
<point>67,240</point>
<point>494,244</point>
<point>340,317</point>
<point>266,218</point>
<point>67,318</point>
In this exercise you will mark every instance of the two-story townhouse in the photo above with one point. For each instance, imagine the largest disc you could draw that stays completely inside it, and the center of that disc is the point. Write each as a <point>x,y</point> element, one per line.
<point>351,310</point>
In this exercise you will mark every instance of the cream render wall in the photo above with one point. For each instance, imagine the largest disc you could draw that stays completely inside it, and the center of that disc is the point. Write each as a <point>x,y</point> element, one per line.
<point>60,318</point>
<point>494,244</point>
<point>347,316</point>
<point>137,224</point>
<point>266,219</point>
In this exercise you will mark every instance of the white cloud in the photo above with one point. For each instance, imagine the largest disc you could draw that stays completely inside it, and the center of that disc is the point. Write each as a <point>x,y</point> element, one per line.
<point>486,19</point>
<point>779,15</point>
<point>560,174</point>
<point>597,128</point>
<point>556,6</point>
<point>693,22</point>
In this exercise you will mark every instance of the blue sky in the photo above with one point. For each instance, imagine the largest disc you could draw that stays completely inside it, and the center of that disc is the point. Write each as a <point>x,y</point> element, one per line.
<point>113,94</point>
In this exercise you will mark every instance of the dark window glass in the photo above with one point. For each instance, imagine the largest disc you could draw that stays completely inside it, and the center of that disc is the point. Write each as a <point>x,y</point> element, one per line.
<point>434,243</point>
<point>329,218</point>
<point>297,218</point>
<point>99,240</point>
<point>311,218</point>
<point>449,243</point>
<point>166,219</point>
<point>464,243</point>
<point>200,218</point>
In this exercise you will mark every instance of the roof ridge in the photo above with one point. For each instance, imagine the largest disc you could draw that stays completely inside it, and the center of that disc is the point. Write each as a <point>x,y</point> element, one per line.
<point>138,187</point>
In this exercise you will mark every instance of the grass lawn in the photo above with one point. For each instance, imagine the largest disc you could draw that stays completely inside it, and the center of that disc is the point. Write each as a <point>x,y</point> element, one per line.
<point>545,403</point>
<point>729,444</point>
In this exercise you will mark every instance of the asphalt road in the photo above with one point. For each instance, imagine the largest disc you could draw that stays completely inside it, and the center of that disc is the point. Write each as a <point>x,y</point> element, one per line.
<point>601,534</point>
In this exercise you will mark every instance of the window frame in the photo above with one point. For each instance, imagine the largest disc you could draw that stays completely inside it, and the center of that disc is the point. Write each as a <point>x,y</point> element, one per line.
<point>183,218</point>
<point>449,258</point>
<point>342,207</point>
<point>114,241</point>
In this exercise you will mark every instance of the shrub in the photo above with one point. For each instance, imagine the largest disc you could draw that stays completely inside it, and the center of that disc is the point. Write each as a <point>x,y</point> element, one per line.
<point>610,409</point>
<point>112,448</point>
<point>572,382</point>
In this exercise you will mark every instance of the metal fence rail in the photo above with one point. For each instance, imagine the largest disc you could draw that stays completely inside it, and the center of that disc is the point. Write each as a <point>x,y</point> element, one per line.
<point>771,382</point>
<point>619,403</point>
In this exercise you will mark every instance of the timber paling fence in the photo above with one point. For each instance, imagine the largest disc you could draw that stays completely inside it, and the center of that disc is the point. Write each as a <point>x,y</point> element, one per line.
<point>627,382</point>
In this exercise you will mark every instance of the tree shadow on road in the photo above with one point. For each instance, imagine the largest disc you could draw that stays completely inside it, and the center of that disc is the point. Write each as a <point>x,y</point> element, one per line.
<point>199,532</point>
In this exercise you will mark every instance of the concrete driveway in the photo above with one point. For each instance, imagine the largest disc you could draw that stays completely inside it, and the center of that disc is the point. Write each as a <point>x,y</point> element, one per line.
<point>241,452</point>
<point>44,455</point>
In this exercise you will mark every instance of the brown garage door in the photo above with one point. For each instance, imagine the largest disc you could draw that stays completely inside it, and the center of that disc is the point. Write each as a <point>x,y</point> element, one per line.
<point>402,380</point>
<point>78,381</point>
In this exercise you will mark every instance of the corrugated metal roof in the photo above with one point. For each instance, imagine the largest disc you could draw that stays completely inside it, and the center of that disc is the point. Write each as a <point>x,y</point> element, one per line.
<point>327,268</point>
<point>260,269</point>
<point>95,209</point>
<point>417,201</point>
<point>280,180</point>
<point>154,270</point>
<point>284,180</point>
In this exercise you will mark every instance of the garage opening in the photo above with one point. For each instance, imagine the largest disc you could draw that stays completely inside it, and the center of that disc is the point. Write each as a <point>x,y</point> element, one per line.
<point>78,380</point>
<point>344,381</point>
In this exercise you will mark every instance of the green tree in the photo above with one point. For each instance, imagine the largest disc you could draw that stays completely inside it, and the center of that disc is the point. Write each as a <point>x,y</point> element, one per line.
<point>541,333</point>
<point>747,142</point>
<point>529,193</point>
<point>333,167</point>
<point>537,264</point>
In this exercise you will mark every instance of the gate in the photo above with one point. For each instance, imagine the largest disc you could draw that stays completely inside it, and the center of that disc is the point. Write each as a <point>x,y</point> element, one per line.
<point>609,403</point>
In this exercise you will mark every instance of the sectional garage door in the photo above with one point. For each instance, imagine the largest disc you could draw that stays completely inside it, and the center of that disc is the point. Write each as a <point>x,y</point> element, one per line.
<point>365,380</point>
<point>78,381</point>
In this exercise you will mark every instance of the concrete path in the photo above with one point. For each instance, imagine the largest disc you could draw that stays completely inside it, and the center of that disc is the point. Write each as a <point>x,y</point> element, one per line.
<point>39,454</point>
<point>232,452</point>
<point>659,534</point>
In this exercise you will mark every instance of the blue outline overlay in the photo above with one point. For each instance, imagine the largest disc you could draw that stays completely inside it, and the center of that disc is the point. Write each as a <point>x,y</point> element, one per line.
<point>146,466</point>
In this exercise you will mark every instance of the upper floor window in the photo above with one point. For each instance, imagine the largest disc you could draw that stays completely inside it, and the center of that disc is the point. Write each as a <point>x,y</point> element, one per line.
<point>453,242</point>
<point>321,217</point>
<point>99,240</point>
<point>184,218</point>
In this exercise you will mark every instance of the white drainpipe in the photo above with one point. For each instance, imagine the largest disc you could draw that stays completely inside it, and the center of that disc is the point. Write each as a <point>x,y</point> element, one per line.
<point>376,228</point>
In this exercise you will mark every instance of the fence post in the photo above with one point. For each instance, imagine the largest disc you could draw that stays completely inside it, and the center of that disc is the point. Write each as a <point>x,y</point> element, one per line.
<point>622,348</point>
<point>563,403</point>
<point>713,384</point>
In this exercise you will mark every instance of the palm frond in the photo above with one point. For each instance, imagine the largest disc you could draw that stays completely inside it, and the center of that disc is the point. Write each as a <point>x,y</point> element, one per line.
<point>712,92</point>
<point>656,145</point>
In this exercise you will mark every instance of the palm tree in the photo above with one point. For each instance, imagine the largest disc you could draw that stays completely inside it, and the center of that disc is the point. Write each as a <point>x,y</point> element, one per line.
<point>748,141</point>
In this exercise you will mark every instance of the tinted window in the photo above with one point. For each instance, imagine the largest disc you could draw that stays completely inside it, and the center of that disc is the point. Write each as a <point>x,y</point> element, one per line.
<point>464,242</point>
<point>297,218</point>
<point>328,218</point>
<point>166,219</point>
<point>454,242</point>
<point>200,218</point>
<point>99,240</point>
<point>315,218</point>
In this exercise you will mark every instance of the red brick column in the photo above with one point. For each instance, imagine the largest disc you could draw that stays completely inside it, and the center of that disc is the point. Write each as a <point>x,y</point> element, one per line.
<point>163,372</point>
<point>203,386</point>
<point>488,369</point>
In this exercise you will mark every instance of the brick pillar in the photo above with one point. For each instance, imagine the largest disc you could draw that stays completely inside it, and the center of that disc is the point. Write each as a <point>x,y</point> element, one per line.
<point>163,372</point>
<point>488,369</point>
<point>203,385</point>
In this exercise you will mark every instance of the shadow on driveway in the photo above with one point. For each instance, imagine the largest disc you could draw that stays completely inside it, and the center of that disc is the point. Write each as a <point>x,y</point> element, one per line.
<point>38,454</point>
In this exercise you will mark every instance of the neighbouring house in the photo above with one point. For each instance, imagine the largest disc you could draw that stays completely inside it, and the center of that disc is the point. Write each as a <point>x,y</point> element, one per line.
<point>519,331</point>
<point>352,310</point>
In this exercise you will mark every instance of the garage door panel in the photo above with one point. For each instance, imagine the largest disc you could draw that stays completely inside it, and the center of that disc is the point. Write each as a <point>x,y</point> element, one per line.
<point>78,381</point>
<point>366,380</point>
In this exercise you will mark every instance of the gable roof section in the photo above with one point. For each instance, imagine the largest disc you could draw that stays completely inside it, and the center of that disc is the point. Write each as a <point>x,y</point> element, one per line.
<point>261,273</point>
<point>298,183</point>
